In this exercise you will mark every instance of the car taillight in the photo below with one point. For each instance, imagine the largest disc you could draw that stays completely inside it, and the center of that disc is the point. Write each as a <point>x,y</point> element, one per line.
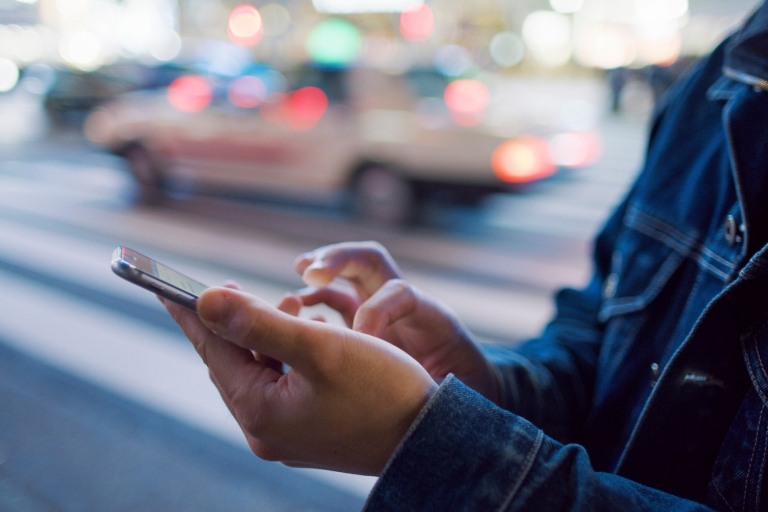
<point>575,149</point>
<point>303,108</point>
<point>522,160</point>
<point>190,93</point>
<point>467,100</point>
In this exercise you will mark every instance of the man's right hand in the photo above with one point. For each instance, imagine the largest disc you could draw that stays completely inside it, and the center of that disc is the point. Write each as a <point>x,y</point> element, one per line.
<point>387,307</point>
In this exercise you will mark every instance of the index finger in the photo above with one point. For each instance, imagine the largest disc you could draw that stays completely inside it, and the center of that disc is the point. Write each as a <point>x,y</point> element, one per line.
<point>367,265</point>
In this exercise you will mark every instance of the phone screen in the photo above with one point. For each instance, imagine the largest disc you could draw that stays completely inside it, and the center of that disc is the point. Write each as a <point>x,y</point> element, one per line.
<point>176,279</point>
<point>160,271</point>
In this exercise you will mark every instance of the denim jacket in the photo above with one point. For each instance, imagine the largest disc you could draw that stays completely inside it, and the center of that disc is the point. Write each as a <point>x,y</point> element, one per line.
<point>649,388</point>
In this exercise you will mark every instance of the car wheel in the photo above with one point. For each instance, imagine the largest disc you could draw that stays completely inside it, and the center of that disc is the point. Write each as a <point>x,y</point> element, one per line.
<point>383,197</point>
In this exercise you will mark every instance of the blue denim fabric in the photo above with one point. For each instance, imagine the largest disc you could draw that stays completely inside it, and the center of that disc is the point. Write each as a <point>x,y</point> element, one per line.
<point>670,288</point>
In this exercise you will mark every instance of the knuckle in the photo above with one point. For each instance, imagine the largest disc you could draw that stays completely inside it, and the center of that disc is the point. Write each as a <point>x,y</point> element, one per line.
<point>262,450</point>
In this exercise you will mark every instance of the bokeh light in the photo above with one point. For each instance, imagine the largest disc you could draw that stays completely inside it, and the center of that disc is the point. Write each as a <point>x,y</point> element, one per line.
<point>548,35</point>
<point>363,6</point>
<point>467,100</point>
<point>81,49</point>
<point>303,109</point>
<point>222,58</point>
<point>417,23</point>
<point>276,19</point>
<point>142,27</point>
<point>507,49</point>
<point>244,25</point>
<point>28,45</point>
<point>452,60</point>
<point>577,149</point>
<point>522,160</point>
<point>566,6</point>
<point>247,91</point>
<point>9,75</point>
<point>659,50</point>
<point>660,9</point>
<point>333,42</point>
<point>167,47</point>
<point>190,93</point>
<point>605,46</point>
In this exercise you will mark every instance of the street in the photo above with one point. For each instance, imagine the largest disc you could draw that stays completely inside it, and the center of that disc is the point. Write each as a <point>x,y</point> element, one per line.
<point>104,405</point>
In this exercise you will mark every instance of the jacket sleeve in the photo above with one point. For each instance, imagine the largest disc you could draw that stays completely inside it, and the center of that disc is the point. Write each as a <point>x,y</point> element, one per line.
<point>463,453</point>
<point>550,380</point>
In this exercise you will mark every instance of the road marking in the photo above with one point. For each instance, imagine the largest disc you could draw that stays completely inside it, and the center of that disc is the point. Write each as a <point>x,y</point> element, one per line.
<point>125,357</point>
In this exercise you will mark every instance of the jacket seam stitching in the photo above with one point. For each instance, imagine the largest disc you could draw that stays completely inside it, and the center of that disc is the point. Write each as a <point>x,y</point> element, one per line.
<point>638,302</point>
<point>720,493</point>
<point>758,494</point>
<point>525,470</point>
<point>672,242</point>
<point>759,360</point>
<point>735,168</point>
<point>752,458</point>
<point>679,246</point>
<point>689,242</point>
<point>753,378</point>
<point>683,238</point>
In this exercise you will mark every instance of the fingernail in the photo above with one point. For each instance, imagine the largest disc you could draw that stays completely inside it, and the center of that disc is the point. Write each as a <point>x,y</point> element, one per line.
<point>213,307</point>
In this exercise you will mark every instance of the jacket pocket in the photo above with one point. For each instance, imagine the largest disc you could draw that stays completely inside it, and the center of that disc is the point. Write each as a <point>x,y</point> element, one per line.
<point>643,262</point>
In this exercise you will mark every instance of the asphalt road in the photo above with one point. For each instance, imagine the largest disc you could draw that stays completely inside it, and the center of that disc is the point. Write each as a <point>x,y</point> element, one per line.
<point>103,403</point>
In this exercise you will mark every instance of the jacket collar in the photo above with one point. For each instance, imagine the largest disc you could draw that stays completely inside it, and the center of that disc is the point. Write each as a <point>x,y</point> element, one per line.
<point>746,56</point>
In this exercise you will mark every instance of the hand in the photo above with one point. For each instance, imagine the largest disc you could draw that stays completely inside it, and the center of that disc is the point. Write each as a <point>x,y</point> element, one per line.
<point>346,402</point>
<point>385,306</point>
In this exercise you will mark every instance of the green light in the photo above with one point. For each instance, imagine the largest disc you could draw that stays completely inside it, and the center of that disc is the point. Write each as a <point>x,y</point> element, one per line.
<point>334,42</point>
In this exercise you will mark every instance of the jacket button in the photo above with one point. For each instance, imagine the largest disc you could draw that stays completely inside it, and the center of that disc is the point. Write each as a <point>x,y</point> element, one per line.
<point>655,372</point>
<point>730,230</point>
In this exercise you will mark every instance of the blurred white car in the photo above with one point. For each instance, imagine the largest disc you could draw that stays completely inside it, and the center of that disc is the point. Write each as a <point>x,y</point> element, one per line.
<point>389,139</point>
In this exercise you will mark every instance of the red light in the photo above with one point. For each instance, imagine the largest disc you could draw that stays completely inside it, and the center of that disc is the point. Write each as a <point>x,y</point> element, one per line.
<point>577,149</point>
<point>467,100</point>
<point>303,108</point>
<point>247,91</point>
<point>522,160</point>
<point>244,25</point>
<point>190,93</point>
<point>417,23</point>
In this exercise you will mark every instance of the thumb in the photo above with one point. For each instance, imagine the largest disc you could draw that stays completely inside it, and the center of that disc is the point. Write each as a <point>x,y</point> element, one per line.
<point>253,324</point>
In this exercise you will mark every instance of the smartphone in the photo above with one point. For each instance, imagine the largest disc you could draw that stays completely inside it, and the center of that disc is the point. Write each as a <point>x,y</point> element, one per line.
<point>156,277</point>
